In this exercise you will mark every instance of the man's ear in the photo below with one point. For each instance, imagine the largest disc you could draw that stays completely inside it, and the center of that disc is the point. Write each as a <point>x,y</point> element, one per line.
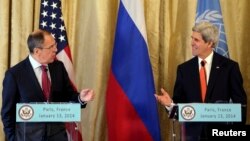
<point>35,51</point>
<point>211,44</point>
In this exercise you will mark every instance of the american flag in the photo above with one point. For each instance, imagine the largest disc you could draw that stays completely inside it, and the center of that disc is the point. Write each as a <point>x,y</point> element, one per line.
<point>51,19</point>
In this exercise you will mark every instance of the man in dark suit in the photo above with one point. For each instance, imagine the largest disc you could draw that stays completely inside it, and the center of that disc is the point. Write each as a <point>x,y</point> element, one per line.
<point>223,79</point>
<point>23,84</point>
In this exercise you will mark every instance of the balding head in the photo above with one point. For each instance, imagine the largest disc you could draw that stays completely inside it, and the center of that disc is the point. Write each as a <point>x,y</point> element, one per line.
<point>36,39</point>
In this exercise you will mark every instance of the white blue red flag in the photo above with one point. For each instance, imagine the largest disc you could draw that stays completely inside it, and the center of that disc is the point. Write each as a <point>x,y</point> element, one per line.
<point>131,107</point>
<point>51,20</point>
<point>209,10</point>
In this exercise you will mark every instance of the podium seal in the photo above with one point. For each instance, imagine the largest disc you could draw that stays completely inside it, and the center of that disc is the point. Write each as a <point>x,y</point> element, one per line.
<point>188,112</point>
<point>26,112</point>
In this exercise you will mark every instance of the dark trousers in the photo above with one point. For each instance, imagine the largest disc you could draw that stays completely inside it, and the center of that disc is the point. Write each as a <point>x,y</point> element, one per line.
<point>41,132</point>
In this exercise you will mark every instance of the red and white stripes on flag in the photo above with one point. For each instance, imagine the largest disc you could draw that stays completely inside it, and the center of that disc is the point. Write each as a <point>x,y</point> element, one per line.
<point>51,20</point>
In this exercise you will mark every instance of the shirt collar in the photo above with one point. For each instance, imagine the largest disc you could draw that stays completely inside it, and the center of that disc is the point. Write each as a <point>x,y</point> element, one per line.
<point>208,59</point>
<point>35,64</point>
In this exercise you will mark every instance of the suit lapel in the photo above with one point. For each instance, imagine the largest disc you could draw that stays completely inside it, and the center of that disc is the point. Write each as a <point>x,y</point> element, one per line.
<point>215,69</point>
<point>194,80</point>
<point>36,86</point>
<point>52,77</point>
<point>197,78</point>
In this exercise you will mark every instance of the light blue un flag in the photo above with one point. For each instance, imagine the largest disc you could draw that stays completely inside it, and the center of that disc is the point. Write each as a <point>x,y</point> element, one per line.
<point>209,10</point>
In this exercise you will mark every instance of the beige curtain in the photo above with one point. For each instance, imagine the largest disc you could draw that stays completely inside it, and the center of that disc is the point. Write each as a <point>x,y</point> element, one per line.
<point>91,25</point>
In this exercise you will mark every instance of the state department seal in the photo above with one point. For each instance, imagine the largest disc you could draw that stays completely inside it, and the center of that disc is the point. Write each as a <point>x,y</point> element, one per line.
<point>187,112</point>
<point>26,112</point>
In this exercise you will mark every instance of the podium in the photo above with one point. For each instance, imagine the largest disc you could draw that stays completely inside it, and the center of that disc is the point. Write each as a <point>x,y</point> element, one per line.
<point>209,112</point>
<point>57,121</point>
<point>200,113</point>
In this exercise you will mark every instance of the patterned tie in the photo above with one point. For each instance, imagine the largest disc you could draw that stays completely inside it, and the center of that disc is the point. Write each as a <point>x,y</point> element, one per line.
<point>203,80</point>
<point>45,82</point>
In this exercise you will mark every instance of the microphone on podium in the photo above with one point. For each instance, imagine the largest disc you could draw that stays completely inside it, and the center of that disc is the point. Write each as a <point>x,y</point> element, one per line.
<point>173,113</point>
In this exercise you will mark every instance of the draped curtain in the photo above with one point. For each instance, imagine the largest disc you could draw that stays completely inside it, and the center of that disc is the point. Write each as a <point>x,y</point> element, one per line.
<point>91,26</point>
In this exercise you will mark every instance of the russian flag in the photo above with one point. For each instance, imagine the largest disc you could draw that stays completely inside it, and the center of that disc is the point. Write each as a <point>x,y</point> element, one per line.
<point>131,107</point>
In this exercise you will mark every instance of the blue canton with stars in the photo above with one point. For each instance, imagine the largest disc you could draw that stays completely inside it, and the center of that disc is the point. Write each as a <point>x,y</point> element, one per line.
<point>51,20</point>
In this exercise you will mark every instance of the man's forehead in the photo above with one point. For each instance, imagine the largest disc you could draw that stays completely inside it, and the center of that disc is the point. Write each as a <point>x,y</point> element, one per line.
<point>49,38</point>
<point>196,35</point>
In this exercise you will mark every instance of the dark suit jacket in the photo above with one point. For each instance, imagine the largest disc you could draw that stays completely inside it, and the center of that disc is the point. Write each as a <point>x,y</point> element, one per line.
<point>20,85</point>
<point>225,83</point>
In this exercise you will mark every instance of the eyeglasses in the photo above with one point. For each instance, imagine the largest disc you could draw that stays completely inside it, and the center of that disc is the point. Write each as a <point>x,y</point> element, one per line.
<point>49,47</point>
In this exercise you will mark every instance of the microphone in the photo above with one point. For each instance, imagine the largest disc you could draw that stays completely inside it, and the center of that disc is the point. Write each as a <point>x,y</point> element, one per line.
<point>221,101</point>
<point>173,113</point>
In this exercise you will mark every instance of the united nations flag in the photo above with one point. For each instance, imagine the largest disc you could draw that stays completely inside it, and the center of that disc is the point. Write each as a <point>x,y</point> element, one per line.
<point>209,10</point>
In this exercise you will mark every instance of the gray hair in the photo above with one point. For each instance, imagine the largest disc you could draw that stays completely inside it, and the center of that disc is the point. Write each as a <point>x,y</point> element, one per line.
<point>36,39</point>
<point>208,31</point>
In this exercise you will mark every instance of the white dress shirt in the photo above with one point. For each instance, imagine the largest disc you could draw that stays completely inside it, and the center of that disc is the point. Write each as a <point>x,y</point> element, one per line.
<point>38,70</point>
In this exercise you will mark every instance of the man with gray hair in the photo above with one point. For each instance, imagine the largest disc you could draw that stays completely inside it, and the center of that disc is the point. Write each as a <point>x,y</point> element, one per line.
<point>39,78</point>
<point>206,78</point>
